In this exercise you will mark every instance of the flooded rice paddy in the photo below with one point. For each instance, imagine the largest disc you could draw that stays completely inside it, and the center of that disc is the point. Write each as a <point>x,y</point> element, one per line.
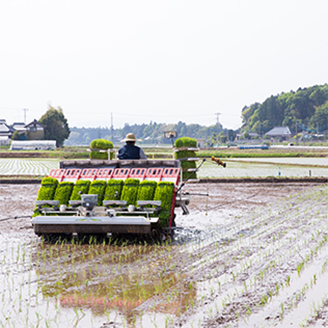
<point>19,166</point>
<point>311,161</point>
<point>257,167</point>
<point>264,167</point>
<point>248,255</point>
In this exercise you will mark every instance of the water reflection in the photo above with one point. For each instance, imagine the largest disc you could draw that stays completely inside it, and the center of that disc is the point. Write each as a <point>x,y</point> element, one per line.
<point>104,278</point>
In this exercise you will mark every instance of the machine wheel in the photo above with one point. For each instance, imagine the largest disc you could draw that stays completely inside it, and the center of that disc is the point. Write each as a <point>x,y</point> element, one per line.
<point>158,235</point>
<point>155,234</point>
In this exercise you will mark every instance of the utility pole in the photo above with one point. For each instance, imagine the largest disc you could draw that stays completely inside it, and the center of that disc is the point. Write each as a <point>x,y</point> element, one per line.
<point>218,126</point>
<point>111,127</point>
<point>260,129</point>
<point>25,110</point>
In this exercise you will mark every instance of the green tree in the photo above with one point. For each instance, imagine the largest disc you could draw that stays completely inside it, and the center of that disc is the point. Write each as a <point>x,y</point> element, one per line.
<point>246,136</point>
<point>320,119</point>
<point>56,126</point>
<point>16,136</point>
<point>213,138</point>
<point>231,135</point>
<point>222,137</point>
<point>286,109</point>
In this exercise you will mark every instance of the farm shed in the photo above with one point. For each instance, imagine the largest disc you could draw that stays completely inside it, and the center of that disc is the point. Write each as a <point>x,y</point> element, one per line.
<point>33,145</point>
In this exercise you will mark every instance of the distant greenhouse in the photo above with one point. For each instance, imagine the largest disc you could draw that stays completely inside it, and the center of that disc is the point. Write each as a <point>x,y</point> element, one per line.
<point>33,145</point>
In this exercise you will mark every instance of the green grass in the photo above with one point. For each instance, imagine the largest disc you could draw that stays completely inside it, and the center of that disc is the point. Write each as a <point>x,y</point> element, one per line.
<point>164,192</point>
<point>63,192</point>
<point>98,187</point>
<point>48,189</point>
<point>80,187</point>
<point>146,190</point>
<point>185,142</point>
<point>130,191</point>
<point>113,190</point>
<point>100,144</point>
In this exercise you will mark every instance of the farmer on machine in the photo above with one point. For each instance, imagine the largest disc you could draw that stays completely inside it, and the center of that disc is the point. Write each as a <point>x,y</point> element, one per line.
<point>130,150</point>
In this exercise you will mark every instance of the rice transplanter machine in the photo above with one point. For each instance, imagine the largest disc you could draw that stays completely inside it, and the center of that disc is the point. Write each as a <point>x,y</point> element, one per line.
<point>110,197</point>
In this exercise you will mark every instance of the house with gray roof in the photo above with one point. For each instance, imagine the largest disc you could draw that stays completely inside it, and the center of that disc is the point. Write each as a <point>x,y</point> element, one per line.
<point>6,132</point>
<point>281,132</point>
<point>19,126</point>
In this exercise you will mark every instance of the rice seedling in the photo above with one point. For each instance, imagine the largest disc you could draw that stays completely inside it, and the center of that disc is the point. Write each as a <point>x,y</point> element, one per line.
<point>264,299</point>
<point>248,312</point>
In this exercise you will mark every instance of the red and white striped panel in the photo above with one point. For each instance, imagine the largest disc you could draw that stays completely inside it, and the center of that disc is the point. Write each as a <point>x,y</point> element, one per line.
<point>138,173</point>
<point>171,174</point>
<point>154,174</point>
<point>104,174</point>
<point>121,173</point>
<point>57,174</point>
<point>72,175</point>
<point>88,174</point>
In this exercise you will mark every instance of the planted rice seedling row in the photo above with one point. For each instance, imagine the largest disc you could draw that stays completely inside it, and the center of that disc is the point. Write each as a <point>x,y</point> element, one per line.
<point>246,240</point>
<point>255,264</point>
<point>27,167</point>
<point>228,280</point>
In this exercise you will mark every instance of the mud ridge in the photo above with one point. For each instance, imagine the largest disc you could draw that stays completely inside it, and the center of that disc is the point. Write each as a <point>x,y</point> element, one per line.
<point>25,179</point>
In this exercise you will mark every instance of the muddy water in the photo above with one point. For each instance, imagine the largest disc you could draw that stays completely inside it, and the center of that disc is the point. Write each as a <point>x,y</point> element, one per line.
<point>233,249</point>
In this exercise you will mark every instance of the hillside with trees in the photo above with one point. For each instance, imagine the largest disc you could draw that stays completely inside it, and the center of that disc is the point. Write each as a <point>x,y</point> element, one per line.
<point>305,109</point>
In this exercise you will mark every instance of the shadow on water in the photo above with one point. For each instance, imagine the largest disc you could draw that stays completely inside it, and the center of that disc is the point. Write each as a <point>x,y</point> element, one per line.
<point>177,236</point>
<point>135,282</point>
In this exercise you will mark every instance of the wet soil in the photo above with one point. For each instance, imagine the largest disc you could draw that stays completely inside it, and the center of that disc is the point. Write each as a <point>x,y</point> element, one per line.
<point>17,200</point>
<point>248,254</point>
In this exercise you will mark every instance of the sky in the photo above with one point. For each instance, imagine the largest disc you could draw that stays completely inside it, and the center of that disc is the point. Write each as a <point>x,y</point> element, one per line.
<point>133,61</point>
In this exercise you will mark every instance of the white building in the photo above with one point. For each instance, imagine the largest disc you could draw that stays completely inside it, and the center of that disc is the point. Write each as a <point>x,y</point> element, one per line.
<point>33,145</point>
<point>5,132</point>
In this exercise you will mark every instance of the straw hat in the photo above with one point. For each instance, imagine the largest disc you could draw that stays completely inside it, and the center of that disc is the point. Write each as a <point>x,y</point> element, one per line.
<point>130,137</point>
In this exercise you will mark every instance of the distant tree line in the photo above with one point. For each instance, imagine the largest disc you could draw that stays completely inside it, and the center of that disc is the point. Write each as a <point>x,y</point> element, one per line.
<point>306,108</point>
<point>152,133</point>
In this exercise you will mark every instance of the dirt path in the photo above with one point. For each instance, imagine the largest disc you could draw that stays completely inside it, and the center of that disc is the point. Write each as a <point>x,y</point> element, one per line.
<point>249,255</point>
